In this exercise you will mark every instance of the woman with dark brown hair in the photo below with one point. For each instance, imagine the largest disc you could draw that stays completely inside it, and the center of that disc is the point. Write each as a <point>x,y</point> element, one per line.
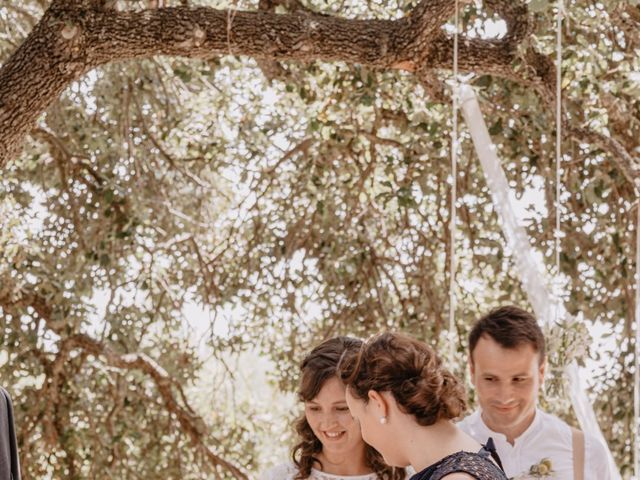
<point>405,401</point>
<point>330,446</point>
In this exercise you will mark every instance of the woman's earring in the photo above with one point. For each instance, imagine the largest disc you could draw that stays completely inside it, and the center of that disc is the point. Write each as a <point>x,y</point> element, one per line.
<point>383,420</point>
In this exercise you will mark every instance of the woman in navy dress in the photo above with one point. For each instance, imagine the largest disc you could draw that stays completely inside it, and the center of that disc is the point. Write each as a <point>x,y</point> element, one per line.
<point>405,402</point>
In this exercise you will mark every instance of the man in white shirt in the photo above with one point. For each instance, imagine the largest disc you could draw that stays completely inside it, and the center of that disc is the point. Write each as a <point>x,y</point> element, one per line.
<point>507,362</point>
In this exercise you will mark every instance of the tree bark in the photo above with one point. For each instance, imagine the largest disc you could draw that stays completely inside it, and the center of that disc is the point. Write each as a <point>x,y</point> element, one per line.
<point>75,36</point>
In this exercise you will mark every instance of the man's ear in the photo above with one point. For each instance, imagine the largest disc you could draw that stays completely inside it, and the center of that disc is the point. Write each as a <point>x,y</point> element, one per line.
<point>541,369</point>
<point>379,403</point>
<point>472,370</point>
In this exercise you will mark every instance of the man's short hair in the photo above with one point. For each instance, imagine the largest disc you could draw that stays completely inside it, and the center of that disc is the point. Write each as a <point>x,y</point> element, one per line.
<point>510,327</point>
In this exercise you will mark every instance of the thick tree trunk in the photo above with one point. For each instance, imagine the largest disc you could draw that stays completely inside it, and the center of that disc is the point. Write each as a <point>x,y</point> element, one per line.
<point>75,36</point>
<point>31,79</point>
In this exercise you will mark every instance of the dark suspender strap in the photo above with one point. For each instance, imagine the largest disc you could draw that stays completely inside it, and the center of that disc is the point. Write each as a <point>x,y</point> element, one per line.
<point>491,448</point>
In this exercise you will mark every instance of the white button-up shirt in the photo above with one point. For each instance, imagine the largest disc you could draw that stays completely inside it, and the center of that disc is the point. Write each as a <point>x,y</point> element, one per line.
<point>547,437</point>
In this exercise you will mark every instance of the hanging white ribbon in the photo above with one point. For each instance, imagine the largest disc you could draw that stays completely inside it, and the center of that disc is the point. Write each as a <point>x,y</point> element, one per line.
<point>546,306</point>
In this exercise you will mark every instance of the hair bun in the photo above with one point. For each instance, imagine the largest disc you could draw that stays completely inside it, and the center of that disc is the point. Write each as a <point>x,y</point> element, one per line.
<point>412,372</point>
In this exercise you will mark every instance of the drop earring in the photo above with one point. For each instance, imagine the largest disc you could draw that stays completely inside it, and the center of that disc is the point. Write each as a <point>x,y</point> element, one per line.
<point>383,420</point>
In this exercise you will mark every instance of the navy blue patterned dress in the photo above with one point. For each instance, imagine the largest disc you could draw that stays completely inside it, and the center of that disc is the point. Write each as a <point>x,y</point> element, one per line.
<point>478,465</point>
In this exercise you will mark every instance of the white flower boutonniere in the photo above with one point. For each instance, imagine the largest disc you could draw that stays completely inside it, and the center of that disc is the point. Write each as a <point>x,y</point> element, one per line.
<point>542,469</point>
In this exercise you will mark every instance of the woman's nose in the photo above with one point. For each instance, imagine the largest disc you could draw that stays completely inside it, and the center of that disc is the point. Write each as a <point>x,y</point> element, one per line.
<point>328,419</point>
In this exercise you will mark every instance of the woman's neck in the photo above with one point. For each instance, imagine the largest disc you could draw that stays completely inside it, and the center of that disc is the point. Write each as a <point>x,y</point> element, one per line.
<point>428,445</point>
<point>352,462</point>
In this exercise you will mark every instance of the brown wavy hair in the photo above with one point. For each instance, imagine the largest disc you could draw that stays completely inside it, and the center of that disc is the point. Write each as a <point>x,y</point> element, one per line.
<point>320,365</point>
<point>411,371</point>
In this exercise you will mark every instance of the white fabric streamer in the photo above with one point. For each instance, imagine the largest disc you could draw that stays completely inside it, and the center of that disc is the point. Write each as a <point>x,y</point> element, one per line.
<point>546,305</point>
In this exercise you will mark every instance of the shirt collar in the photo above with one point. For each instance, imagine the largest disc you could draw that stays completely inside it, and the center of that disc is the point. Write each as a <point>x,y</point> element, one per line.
<point>531,429</point>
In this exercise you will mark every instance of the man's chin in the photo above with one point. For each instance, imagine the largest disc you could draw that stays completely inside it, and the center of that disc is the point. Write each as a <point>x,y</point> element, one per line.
<point>508,414</point>
<point>503,420</point>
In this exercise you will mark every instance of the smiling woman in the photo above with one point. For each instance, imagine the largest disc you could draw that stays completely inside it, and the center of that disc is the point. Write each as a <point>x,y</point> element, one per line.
<point>330,446</point>
<point>329,418</point>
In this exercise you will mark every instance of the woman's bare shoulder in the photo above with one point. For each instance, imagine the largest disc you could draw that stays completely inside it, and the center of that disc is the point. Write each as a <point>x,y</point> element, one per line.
<point>458,476</point>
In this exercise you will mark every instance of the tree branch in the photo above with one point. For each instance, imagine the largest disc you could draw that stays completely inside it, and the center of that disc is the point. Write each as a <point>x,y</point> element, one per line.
<point>76,36</point>
<point>623,159</point>
<point>191,423</point>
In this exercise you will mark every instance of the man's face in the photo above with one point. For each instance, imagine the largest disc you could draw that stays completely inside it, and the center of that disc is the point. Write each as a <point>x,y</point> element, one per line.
<point>507,381</point>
